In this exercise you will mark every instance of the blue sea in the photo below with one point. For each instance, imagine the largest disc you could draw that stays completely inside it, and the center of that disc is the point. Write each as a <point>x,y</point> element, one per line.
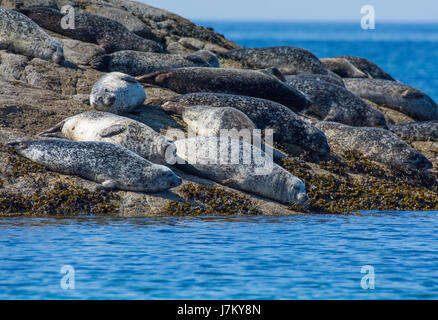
<point>374,255</point>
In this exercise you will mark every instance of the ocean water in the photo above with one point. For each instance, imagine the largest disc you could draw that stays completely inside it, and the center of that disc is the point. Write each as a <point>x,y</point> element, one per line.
<point>306,257</point>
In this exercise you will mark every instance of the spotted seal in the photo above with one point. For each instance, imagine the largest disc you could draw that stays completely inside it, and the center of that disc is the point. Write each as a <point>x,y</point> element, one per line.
<point>212,158</point>
<point>136,63</point>
<point>108,127</point>
<point>376,144</point>
<point>109,34</point>
<point>289,60</point>
<point>368,67</point>
<point>331,102</point>
<point>394,95</point>
<point>114,166</point>
<point>417,131</point>
<point>208,56</point>
<point>232,81</point>
<point>265,114</point>
<point>117,93</point>
<point>342,67</point>
<point>334,79</point>
<point>21,35</point>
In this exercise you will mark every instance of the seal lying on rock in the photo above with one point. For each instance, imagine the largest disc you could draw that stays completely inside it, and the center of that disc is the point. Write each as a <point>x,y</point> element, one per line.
<point>117,93</point>
<point>331,102</point>
<point>213,158</point>
<point>343,68</point>
<point>208,56</point>
<point>266,114</point>
<point>108,127</point>
<point>417,131</point>
<point>368,67</point>
<point>289,60</point>
<point>138,63</point>
<point>109,34</point>
<point>111,165</point>
<point>394,95</point>
<point>318,77</point>
<point>376,144</point>
<point>233,81</point>
<point>21,35</point>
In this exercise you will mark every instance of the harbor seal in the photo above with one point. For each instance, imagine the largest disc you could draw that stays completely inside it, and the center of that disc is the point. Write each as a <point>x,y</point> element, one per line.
<point>265,114</point>
<point>368,67</point>
<point>212,158</point>
<point>109,34</point>
<point>376,144</point>
<point>394,95</point>
<point>208,56</point>
<point>136,63</point>
<point>111,165</point>
<point>343,68</point>
<point>289,60</point>
<point>21,35</point>
<point>241,82</point>
<point>318,77</point>
<point>108,127</point>
<point>417,131</point>
<point>330,102</point>
<point>117,93</point>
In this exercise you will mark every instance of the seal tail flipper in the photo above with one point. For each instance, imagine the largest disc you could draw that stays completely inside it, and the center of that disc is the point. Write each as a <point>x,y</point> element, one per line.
<point>54,132</point>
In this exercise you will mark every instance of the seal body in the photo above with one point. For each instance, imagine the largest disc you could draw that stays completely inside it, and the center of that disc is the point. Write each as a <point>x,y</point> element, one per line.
<point>137,63</point>
<point>111,165</point>
<point>417,131</point>
<point>394,95</point>
<point>117,93</point>
<point>265,114</point>
<point>241,82</point>
<point>108,127</point>
<point>343,68</point>
<point>241,166</point>
<point>368,67</point>
<point>208,56</point>
<point>289,60</point>
<point>333,79</point>
<point>21,35</point>
<point>109,34</point>
<point>376,144</point>
<point>331,102</point>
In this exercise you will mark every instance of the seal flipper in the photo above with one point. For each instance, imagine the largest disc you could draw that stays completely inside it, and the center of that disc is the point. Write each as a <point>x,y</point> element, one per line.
<point>129,78</point>
<point>54,132</point>
<point>112,131</point>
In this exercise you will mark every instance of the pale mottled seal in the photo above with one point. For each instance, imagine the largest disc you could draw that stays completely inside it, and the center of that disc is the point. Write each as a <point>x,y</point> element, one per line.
<point>289,60</point>
<point>111,165</point>
<point>376,144</point>
<point>266,114</point>
<point>212,158</point>
<point>334,79</point>
<point>331,102</point>
<point>137,63</point>
<point>233,81</point>
<point>21,35</point>
<point>343,68</point>
<point>208,56</point>
<point>117,93</point>
<point>417,131</point>
<point>108,127</point>
<point>109,34</point>
<point>368,67</point>
<point>394,95</point>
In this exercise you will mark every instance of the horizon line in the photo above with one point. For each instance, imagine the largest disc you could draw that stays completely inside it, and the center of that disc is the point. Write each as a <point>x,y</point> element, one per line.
<point>313,21</point>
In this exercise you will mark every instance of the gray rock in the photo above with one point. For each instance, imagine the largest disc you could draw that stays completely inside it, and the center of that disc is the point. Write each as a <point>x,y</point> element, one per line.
<point>417,131</point>
<point>81,53</point>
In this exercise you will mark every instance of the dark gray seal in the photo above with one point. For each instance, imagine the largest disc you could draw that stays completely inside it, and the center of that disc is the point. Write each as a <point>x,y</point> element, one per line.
<point>343,68</point>
<point>266,114</point>
<point>109,34</point>
<point>417,131</point>
<point>331,102</point>
<point>21,35</point>
<point>319,77</point>
<point>376,144</point>
<point>111,165</point>
<point>213,158</point>
<point>136,63</point>
<point>208,56</point>
<point>232,81</point>
<point>394,95</point>
<point>289,60</point>
<point>368,67</point>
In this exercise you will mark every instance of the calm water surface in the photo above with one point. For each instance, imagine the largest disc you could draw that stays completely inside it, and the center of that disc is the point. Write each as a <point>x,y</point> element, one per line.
<point>317,257</point>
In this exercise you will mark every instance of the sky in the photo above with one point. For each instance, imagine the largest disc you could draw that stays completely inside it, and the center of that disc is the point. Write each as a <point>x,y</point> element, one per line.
<point>301,10</point>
